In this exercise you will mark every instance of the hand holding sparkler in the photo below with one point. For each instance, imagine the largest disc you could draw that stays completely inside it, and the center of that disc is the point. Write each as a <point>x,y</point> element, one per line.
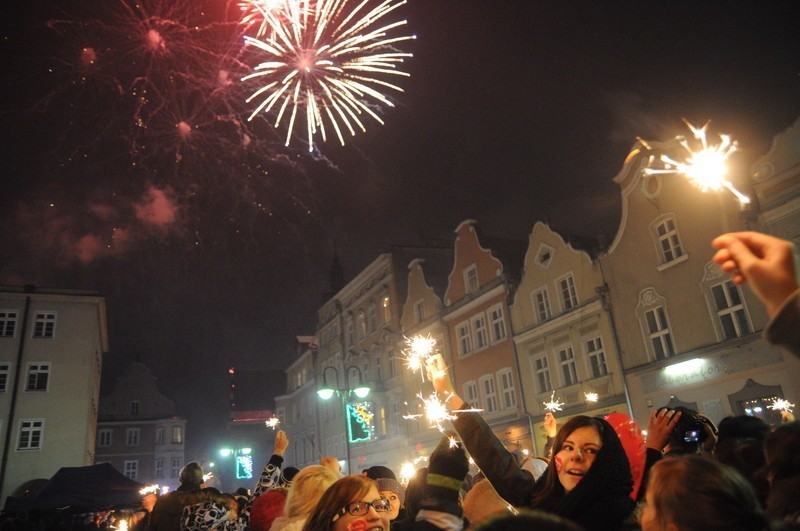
<point>766,263</point>
<point>281,443</point>
<point>442,384</point>
<point>549,425</point>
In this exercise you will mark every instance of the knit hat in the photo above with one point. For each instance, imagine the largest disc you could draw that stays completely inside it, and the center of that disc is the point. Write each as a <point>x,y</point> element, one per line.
<point>379,471</point>
<point>266,508</point>
<point>392,486</point>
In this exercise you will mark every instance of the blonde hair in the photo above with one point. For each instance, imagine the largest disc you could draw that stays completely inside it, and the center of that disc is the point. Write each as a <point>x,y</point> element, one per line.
<point>307,488</point>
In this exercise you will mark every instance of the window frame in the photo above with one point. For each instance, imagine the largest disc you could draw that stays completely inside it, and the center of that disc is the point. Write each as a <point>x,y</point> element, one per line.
<point>508,393</point>
<point>464,341</point>
<point>541,316</point>
<point>497,316</point>
<point>480,331</point>
<point>675,253</point>
<point>594,348</point>
<point>472,394</point>
<point>568,295</point>
<point>567,364</point>
<point>8,323</point>
<point>44,324</point>
<point>38,368</point>
<point>5,372</point>
<point>419,311</point>
<point>34,428</point>
<point>472,282</point>
<point>735,312</point>
<point>541,372</point>
<point>133,436</point>
<point>105,437</point>
<point>488,390</point>
<point>130,469</point>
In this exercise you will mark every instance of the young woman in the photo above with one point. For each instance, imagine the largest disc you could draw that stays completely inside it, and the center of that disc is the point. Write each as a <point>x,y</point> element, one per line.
<point>351,504</point>
<point>588,479</point>
<point>308,487</point>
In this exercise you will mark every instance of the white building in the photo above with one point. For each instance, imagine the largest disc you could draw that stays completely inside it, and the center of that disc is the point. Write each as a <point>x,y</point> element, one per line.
<point>51,347</point>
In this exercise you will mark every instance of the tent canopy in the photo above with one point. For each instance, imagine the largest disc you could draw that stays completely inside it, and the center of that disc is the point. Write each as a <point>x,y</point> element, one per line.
<point>86,487</point>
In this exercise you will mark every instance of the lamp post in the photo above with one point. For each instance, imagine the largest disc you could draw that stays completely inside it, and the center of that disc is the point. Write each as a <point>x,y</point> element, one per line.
<point>326,392</point>
<point>242,462</point>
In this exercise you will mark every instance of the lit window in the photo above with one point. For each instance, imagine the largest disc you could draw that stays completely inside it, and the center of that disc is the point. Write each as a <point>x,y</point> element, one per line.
<point>31,433</point>
<point>489,394</point>
<point>38,377</point>
<point>730,310</point>
<point>567,359</point>
<point>177,434</point>
<point>569,298</point>
<point>8,323</point>
<point>597,357</point>
<point>498,323</point>
<point>471,279</point>
<point>541,305</point>
<point>44,325</point>
<point>387,309</point>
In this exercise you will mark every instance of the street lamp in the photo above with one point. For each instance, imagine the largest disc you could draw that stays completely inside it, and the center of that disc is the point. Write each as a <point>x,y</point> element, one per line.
<point>326,392</point>
<point>243,461</point>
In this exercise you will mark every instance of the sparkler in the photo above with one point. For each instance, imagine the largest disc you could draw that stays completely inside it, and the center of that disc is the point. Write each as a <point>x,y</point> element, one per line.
<point>420,350</point>
<point>407,471</point>
<point>591,397</point>
<point>272,422</point>
<point>435,410</point>
<point>326,61</point>
<point>705,167</point>
<point>149,489</point>
<point>555,404</point>
<point>779,404</point>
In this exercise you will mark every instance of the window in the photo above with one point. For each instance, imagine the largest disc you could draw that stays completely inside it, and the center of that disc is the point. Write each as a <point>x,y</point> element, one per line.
<point>351,334</point>
<point>8,323</point>
<point>104,437</point>
<point>597,357</point>
<point>158,471</point>
<point>31,433</point>
<point>730,310</point>
<point>542,372</point>
<point>373,318</point>
<point>44,325</point>
<point>177,434</point>
<point>481,334</point>
<point>387,309</point>
<point>5,368</point>
<point>498,323</point>
<point>544,256</point>
<point>362,325</point>
<point>471,279</point>
<point>134,407</point>
<point>567,359</point>
<point>177,464</point>
<point>132,469</point>
<point>392,365</point>
<point>541,305</point>
<point>419,311</point>
<point>489,394</point>
<point>667,240</point>
<point>658,333</point>
<point>464,338</point>
<point>507,390</point>
<point>569,298</point>
<point>160,435</point>
<point>132,437</point>
<point>38,377</point>
<point>378,375</point>
<point>471,394</point>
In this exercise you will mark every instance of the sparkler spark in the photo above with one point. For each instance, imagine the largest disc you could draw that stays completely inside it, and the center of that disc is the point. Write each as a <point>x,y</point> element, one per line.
<point>272,422</point>
<point>435,410</point>
<point>706,167</point>
<point>591,397</point>
<point>149,489</point>
<point>555,404</point>
<point>779,404</point>
<point>420,350</point>
<point>326,61</point>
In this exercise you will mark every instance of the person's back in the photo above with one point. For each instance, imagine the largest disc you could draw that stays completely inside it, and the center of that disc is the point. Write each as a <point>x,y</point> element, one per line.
<point>166,515</point>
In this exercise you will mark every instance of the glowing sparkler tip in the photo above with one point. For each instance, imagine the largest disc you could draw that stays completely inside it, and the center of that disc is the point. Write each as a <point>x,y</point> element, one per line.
<point>779,404</point>
<point>554,404</point>
<point>591,397</point>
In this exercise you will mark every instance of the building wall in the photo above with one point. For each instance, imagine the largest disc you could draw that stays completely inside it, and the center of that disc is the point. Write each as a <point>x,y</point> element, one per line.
<point>67,405</point>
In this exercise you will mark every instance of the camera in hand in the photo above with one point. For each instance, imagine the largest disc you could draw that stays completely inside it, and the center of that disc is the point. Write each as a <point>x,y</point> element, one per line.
<point>690,427</point>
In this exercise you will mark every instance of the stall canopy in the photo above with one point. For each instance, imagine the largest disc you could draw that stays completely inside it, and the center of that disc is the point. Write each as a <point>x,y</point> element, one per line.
<point>86,487</point>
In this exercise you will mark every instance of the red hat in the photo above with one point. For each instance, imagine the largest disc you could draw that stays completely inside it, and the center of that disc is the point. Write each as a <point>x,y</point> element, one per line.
<point>266,509</point>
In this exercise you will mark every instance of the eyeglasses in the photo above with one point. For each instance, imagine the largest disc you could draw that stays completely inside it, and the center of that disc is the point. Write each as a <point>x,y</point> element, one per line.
<point>360,508</point>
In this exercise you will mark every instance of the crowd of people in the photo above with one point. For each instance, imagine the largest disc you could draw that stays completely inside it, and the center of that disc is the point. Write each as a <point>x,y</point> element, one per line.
<point>743,475</point>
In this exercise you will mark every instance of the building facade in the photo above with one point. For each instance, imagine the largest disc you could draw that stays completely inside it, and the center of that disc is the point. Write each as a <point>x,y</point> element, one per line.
<point>138,431</point>
<point>688,335</point>
<point>51,348</point>
<point>563,333</point>
<point>297,408</point>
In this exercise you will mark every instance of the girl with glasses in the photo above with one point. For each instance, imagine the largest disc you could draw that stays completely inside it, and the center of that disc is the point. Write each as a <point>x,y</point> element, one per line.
<point>351,504</point>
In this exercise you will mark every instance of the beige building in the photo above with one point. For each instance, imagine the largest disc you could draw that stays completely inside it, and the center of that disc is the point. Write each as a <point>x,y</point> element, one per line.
<point>51,348</point>
<point>563,332</point>
<point>484,368</point>
<point>138,431</point>
<point>297,408</point>
<point>687,334</point>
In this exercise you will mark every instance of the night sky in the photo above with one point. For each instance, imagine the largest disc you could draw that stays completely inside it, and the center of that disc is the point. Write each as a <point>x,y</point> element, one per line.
<point>213,252</point>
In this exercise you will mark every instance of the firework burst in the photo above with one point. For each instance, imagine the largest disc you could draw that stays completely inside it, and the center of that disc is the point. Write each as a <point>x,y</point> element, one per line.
<point>705,165</point>
<point>326,62</point>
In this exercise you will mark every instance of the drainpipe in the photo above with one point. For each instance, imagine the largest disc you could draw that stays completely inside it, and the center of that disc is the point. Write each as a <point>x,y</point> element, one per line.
<point>13,404</point>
